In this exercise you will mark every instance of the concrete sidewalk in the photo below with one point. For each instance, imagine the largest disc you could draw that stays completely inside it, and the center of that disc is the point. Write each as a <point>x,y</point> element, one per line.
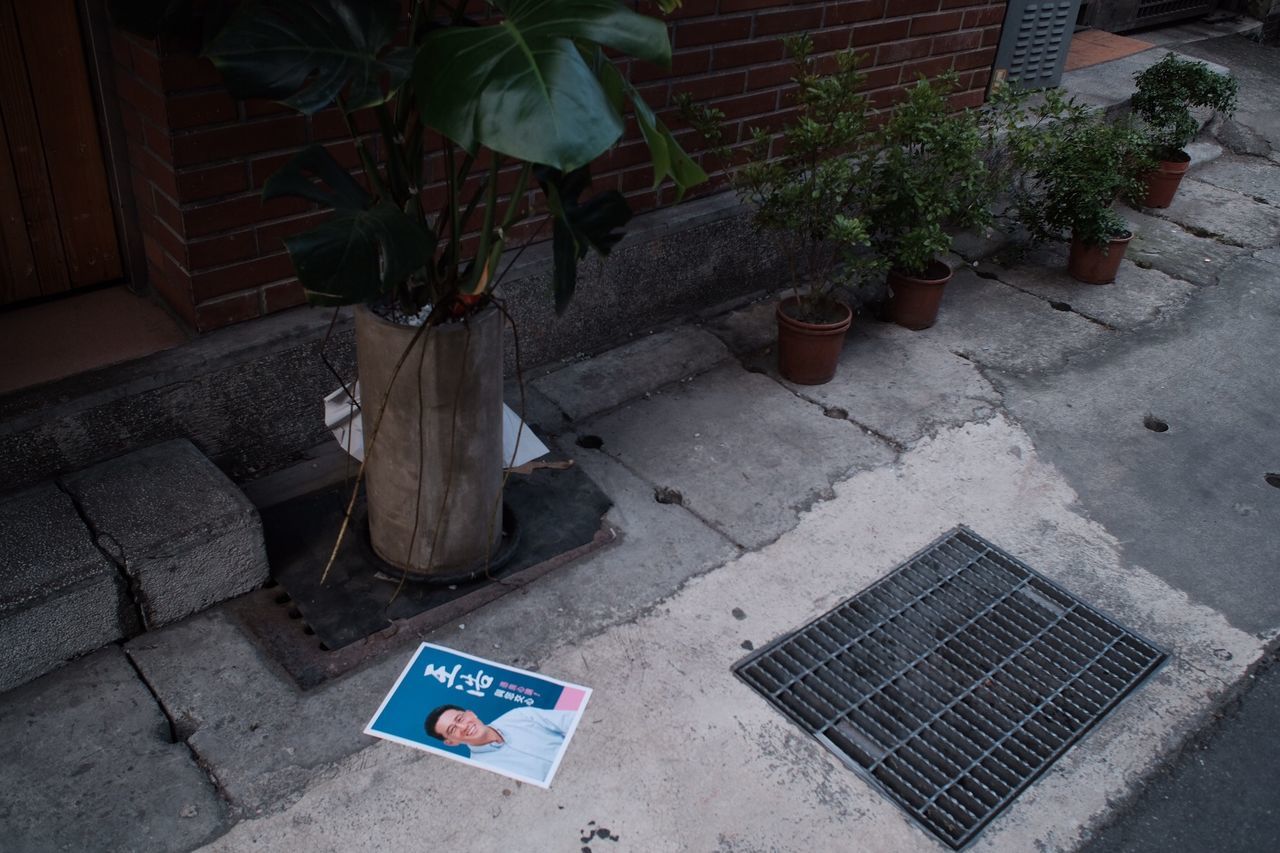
<point>1025,413</point>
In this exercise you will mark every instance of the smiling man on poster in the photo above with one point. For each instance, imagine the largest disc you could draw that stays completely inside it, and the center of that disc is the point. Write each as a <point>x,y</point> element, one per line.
<point>523,741</point>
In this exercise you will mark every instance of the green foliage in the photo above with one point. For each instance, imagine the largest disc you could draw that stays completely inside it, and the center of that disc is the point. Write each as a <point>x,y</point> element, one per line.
<point>1072,165</point>
<point>805,185</point>
<point>363,236</point>
<point>1168,91</point>
<point>305,52</point>
<point>930,173</point>
<point>535,92</point>
<point>523,89</point>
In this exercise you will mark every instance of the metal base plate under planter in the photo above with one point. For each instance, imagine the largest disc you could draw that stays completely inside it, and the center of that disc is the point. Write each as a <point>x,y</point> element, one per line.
<point>954,682</point>
<point>502,555</point>
<point>317,632</point>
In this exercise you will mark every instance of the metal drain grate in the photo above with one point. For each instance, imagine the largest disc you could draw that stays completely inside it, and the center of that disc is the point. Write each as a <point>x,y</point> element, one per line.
<point>954,682</point>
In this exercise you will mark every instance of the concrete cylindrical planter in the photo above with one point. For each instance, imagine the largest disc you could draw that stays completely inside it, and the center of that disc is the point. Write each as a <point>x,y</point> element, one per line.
<point>443,514</point>
<point>1097,264</point>
<point>1164,180</point>
<point>808,353</point>
<point>914,300</point>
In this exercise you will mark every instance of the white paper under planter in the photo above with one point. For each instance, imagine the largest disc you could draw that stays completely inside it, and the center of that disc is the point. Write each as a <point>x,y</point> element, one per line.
<point>342,418</point>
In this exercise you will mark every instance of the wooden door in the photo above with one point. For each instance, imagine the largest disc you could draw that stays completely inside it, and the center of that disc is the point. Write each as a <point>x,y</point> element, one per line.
<point>57,230</point>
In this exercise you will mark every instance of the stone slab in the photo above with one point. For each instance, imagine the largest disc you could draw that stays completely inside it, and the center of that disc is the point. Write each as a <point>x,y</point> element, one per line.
<point>540,414</point>
<point>731,773</point>
<point>1225,214</point>
<point>1002,328</point>
<point>1240,139</point>
<point>1271,256</point>
<point>659,548</point>
<point>260,737</point>
<point>1138,297</point>
<point>975,246</point>
<point>746,454</point>
<point>901,386</point>
<point>1254,65</point>
<point>1110,85</point>
<point>248,395</point>
<point>87,763</point>
<point>45,544</point>
<point>59,597</point>
<point>673,262</point>
<point>1191,503</point>
<point>1203,151</point>
<point>1251,176</point>
<point>183,533</point>
<point>267,742</point>
<point>627,371</point>
<point>749,328</point>
<point>1168,247</point>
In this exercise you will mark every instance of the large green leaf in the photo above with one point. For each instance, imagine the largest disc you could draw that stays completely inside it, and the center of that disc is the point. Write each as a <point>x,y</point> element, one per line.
<point>364,250</point>
<point>669,159</point>
<point>579,226</point>
<point>337,262</point>
<point>303,53</point>
<point>313,174</point>
<point>522,88</point>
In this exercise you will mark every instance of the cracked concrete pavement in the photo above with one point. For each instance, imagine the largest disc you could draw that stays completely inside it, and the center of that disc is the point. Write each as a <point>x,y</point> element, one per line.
<point>1024,414</point>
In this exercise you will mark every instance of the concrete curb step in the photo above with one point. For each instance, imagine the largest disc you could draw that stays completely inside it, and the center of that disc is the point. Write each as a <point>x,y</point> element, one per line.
<point>125,546</point>
<point>1109,85</point>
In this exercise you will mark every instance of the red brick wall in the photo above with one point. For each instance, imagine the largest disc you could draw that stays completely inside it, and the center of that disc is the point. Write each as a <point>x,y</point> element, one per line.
<point>199,159</point>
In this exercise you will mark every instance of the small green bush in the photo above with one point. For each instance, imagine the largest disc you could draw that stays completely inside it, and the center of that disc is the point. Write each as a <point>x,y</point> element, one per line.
<point>1168,91</point>
<point>1073,164</point>
<point>805,186</point>
<point>930,172</point>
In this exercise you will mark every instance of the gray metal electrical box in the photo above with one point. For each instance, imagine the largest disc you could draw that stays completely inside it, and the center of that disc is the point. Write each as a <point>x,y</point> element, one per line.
<point>1034,42</point>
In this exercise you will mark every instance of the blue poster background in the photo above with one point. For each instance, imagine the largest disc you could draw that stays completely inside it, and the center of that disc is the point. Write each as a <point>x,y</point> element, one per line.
<point>418,694</point>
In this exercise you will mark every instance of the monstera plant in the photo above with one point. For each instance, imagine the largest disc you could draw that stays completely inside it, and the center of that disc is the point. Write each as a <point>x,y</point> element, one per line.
<point>466,105</point>
<point>532,90</point>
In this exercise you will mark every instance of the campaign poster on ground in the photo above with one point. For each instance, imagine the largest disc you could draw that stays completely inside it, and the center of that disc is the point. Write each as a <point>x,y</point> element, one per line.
<point>482,713</point>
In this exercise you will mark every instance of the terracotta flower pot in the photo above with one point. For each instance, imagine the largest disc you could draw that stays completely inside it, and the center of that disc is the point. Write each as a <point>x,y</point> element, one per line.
<point>809,352</point>
<point>1163,181</point>
<point>445,514</point>
<point>914,301</point>
<point>1097,264</point>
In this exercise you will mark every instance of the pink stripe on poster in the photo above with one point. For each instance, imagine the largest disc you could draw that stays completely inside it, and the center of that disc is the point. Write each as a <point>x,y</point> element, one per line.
<point>570,699</point>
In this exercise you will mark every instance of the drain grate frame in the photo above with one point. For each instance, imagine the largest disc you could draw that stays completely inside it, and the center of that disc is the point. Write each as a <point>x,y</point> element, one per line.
<point>954,682</point>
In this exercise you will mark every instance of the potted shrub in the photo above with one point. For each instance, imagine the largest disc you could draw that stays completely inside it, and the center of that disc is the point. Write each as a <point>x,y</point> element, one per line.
<point>930,172</point>
<point>532,99</point>
<point>1165,95</point>
<point>1073,164</point>
<point>803,186</point>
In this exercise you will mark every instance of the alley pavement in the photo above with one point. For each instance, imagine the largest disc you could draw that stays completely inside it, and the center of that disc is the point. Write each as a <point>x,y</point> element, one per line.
<point>1120,439</point>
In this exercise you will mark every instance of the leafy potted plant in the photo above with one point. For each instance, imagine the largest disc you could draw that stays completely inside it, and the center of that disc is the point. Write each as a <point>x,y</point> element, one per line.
<point>1165,95</point>
<point>531,98</point>
<point>930,172</point>
<point>804,186</point>
<point>1074,164</point>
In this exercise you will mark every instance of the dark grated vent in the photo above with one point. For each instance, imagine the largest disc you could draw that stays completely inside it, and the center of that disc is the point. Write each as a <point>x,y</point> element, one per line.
<point>954,682</point>
<point>1149,11</point>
